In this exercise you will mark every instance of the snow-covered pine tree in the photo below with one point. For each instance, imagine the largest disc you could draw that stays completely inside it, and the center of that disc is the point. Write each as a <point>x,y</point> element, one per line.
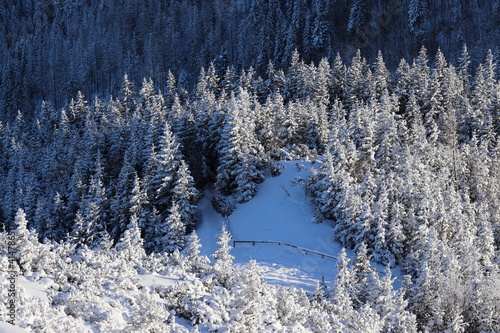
<point>161,169</point>
<point>130,245</point>
<point>223,266</point>
<point>251,296</point>
<point>185,195</point>
<point>93,210</point>
<point>361,275</point>
<point>381,77</point>
<point>343,289</point>
<point>242,158</point>
<point>120,204</point>
<point>170,235</point>
<point>197,264</point>
<point>30,255</point>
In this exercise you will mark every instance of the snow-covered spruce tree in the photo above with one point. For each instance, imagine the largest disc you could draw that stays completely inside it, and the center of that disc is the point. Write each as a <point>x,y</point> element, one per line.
<point>420,76</point>
<point>185,195</point>
<point>292,307</point>
<point>362,273</point>
<point>92,210</point>
<point>139,204</point>
<point>149,315</point>
<point>428,295</point>
<point>130,246</point>
<point>29,253</point>
<point>305,129</point>
<point>208,115</point>
<point>223,267</point>
<point>162,165</point>
<point>483,100</point>
<point>343,288</point>
<point>329,184</point>
<point>348,313</point>
<point>270,117</point>
<point>56,219</point>
<point>241,156</point>
<point>357,79</point>
<point>381,77</point>
<point>147,100</point>
<point>120,203</point>
<point>275,79</point>
<point>170,236</point>
<point>463,69</point>
<point>295,87</point>
<point>196,263</point>
<point>250,306</point>
<point>180,119</point>
<point>380,216</point>
<point>388,133</point>
<point>229,82</point>
<point>338,71</point>
<point>78,112</point>
<point>319,41</point>
<point>127,98</point>
<point>167,183</point>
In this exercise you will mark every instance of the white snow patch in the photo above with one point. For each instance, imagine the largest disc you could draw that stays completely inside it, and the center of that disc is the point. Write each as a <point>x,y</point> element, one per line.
<point>33,287</point>
<point>152,279</point>
<point>8,328</point>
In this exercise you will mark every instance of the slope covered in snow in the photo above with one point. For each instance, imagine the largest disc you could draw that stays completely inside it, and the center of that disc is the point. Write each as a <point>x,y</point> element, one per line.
<point>280,212</point>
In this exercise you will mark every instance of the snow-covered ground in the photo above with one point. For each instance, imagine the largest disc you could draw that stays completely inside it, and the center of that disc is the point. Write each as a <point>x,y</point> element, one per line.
<point>8,328</point>
<point>281,211</point>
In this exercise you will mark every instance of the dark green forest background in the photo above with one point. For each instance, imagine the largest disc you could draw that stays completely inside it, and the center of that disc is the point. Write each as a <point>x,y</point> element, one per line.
<point>50,49</point>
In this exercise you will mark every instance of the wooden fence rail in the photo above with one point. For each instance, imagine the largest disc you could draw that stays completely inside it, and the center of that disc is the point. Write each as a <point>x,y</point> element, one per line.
<point>296,247</point>
<point>306,251</point>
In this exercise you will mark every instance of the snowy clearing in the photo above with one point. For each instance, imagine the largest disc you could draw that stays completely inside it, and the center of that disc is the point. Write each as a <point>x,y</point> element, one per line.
<point>281,212</point>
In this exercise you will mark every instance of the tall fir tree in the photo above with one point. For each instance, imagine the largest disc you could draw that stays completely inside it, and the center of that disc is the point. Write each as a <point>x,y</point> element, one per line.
<point>223,266</point>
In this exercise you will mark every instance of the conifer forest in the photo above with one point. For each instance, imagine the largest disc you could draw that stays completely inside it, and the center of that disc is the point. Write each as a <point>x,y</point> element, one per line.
<point>131,130</point>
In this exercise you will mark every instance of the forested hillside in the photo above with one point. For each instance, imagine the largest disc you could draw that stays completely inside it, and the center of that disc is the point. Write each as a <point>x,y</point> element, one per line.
<point>51,49</point>
<point>118,117</point>
<point>409,175</point>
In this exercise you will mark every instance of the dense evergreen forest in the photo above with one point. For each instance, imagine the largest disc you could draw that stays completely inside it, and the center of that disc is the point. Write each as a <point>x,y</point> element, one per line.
<point>116,116</point>
<point>51,49</point>
<point>409,173</point>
